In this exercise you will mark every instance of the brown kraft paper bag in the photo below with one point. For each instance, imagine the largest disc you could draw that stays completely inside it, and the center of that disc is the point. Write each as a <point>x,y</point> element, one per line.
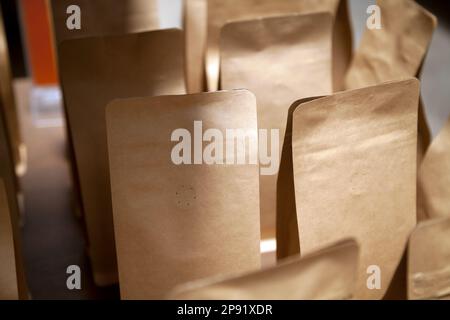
<point>394,52</point>
<point>280,60</point>
<point>327,274</point>
<point>95,71</point>
<point>204,20</point>
<point>429,261</point>
<point>354,157</point>
<point>434,176</point>
<point>181,214</point>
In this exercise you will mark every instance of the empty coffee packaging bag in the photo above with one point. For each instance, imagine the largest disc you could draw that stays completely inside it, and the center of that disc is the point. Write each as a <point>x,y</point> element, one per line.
<point>204,20</point>
<point>184,178</point>
<point>395,50</point>
<point>327,274</point>
<point>434,176</point>
<point>95,71</point>
<point>280,60</point>
<point>354,159</point>
<point>429,261</point>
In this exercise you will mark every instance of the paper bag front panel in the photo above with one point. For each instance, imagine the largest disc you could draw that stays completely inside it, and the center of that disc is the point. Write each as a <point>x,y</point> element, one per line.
<point>176,223</point>
<point>355,174</point>
<point>94,72</point>
<point>280,60</point>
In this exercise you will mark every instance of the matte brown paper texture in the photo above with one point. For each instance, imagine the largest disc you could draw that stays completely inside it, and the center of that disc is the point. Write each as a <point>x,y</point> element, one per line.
<point>328,274</point>
<point>184,208</point>
<point>280,60</point>
<point>429,261</point>
<point>434,176</point>
<point>288,243</point>
<point>204,20</point>
<point>102,17</point>
<point>95,71</point>
<point>395,52</point>
<point>8,276</point>
<point>354,156</point>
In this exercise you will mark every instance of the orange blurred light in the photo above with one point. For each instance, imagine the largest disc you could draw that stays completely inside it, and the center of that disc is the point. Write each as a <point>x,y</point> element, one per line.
<point>39,41</point>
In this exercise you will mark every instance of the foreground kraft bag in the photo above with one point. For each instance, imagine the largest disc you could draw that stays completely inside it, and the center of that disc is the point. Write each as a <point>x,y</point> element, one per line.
<point>204,20</point>
<point>8,106</point>
<point>95,71</point>
<point>394,52</point>
<point>354,159</point>
<point>175,221</point>
<point>429,261</point>
<point>327,274</point>
<point>8,275</point>
<point>434,176</point>
<point>280,60</point>
<point>104,17</point>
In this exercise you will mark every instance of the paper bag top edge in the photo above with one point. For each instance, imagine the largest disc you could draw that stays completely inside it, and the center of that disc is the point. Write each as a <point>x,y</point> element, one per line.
<point>116,105</point>
<point>68,43</point>
<point>347,248</point>
<point>413,82</point>
<point>275,20</point>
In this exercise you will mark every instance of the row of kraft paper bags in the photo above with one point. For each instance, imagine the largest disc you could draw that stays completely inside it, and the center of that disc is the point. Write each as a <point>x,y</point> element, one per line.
<point>348,163</point>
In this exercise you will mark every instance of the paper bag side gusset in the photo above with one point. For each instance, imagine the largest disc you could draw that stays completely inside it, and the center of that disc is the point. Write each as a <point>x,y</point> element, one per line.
<point>248,50</point>
<point>355,171</point>
<point>288,243</point>
<point>95,71</point>
<point>429,260</point>
<point>175,221</point>
<point>8,106</point>
<point>221,12</point>
<point>434,176</point>
<point>328,274</point>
